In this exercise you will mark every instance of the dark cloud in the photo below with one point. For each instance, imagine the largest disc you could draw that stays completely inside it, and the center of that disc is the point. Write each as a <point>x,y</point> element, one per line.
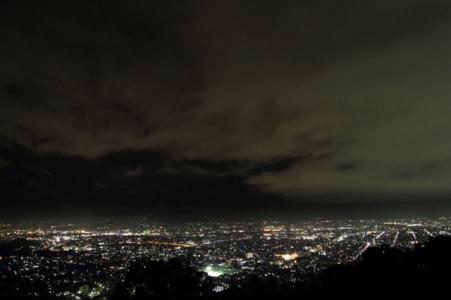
<point>115,184</point>
<point>297,98</point>
<point>97,78</point>
<point>135,172</point>
<point>3,163</point>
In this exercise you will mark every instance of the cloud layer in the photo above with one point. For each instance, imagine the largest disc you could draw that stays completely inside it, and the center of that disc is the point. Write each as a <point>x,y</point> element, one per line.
<point>354,94</point>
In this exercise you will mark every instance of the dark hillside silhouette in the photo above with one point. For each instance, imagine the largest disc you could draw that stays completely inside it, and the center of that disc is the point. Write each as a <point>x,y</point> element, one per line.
<point>163,280</point>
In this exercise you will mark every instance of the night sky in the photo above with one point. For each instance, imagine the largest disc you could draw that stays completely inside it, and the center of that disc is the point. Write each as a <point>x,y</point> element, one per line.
<point>225,108</point>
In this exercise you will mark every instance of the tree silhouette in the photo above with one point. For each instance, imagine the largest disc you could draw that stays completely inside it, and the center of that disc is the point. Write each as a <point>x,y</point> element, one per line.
<point>163,280</point>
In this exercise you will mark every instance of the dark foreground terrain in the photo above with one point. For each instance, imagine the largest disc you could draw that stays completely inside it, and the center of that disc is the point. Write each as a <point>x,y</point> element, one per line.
<point>380,272</point>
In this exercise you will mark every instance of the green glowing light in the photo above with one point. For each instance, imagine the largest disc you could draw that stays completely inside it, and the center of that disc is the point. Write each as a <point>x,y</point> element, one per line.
<point>214,271</point>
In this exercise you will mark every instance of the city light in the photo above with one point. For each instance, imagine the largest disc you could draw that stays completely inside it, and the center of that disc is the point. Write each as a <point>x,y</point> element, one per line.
<point>213,272</point>
<point>221,250</point>
<point>287,256</point>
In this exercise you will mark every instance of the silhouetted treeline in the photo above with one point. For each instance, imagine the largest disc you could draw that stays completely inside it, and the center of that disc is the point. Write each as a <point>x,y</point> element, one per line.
<point>381,272</point>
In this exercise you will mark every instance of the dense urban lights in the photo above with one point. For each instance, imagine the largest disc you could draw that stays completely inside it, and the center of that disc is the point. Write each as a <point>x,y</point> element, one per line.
<point>67,256</point>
